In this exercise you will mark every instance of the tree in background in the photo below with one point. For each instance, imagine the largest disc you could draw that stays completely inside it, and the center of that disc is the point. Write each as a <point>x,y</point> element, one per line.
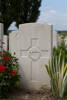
<point>20,11</point>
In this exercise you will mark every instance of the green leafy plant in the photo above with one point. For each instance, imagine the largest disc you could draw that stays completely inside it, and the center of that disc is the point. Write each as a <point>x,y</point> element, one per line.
<point>57,71</point>
<point>9,77</point>
<point>63,49</point>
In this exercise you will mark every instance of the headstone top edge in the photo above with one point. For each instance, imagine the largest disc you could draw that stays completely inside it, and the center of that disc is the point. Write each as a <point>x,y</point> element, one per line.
<point>54,32</point>
<point>26,24</point>
<point>13,32</point>
<point>1,23</point>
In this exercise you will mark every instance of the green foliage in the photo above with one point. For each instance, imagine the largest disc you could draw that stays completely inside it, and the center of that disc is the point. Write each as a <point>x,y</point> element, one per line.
<point>20,11</point>
<point>57,70</point>
<point>9,77</point>
<point>63,48</point>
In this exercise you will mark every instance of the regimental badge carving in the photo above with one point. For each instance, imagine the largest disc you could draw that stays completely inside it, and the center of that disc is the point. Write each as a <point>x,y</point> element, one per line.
<point>34,53</point>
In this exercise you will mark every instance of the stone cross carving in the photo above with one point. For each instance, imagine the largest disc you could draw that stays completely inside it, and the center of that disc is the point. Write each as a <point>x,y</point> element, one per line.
<point>33,52</point>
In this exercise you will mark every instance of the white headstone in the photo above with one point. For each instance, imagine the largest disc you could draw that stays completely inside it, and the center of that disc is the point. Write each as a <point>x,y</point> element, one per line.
<point>1,35</point>
<point>5,42</point>
<point>59,39</point>
<point>55,38</point>
<point>32,44</point>
<point>66,40</point>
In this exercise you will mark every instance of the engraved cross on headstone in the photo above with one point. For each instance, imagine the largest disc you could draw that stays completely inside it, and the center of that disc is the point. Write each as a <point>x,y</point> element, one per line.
<point>33,52</point>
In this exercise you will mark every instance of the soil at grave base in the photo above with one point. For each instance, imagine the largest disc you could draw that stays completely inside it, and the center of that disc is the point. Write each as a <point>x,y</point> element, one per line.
<point>43,94</point>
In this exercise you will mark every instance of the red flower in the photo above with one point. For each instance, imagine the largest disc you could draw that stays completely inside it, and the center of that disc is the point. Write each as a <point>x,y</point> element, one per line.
<point>13,72</point>
<point>2,68</point>
<point>6,58</point>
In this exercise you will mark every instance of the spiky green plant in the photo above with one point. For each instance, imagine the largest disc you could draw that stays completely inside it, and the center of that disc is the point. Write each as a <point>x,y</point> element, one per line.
<point>57,71</point>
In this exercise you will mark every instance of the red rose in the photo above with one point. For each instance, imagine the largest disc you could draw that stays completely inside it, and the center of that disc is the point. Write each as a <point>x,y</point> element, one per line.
<point>6,58</point>
<point>2,68</point>
<point>13,72</point>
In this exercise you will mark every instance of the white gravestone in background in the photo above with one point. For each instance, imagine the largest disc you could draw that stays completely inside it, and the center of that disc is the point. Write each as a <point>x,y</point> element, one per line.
<point>3,38</point>
<point>55,39</point>
<point>5,42</point>
<point>32,44</point>
<point>1,35</point>
<point>65,40</point>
